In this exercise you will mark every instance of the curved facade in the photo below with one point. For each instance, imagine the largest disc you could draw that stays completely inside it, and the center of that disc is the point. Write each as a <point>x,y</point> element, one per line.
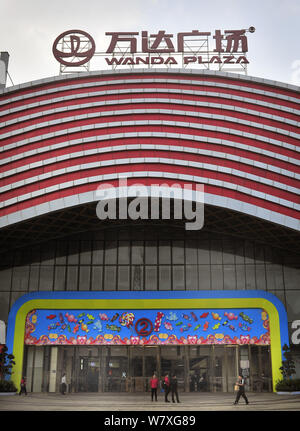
<point>239,137</point>
<point>63,137</point>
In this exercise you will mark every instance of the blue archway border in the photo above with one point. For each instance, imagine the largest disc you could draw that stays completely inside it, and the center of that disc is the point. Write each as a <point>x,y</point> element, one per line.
<point>203,294</point>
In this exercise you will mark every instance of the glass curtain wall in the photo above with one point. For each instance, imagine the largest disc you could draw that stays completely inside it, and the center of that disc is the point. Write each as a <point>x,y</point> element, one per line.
<point>210,368</point>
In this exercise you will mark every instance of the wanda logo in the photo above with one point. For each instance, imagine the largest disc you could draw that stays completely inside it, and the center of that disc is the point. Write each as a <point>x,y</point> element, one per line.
<point>73,48</point>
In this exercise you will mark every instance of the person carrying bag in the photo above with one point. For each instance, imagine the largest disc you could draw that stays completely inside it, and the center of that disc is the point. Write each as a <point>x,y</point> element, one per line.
<point>240,385</point>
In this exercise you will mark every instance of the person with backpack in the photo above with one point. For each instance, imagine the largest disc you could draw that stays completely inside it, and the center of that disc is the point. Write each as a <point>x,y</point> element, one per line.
<point>241,391</point>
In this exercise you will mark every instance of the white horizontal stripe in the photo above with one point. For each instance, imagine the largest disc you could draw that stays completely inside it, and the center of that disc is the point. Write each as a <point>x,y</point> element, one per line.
<point>174,136</point>
<point>222,106</point>
<point>167,79</point>
<point>148,90</point>
<point>197,179</point>
<point>154,147</point>
<point>89,197</point>
<point>91,115</point>
<point>182,124</point>
<point>158,160</point>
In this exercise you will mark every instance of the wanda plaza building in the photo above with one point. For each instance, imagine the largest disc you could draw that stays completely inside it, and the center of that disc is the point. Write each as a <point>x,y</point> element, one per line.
<point>111,301</point>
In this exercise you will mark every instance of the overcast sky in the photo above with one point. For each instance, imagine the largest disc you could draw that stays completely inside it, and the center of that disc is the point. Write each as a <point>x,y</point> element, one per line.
<point>29,27</point>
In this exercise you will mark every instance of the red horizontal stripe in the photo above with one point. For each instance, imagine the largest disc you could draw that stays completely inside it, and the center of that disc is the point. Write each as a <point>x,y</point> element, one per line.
<point>134,167</point>
<point>153,128</point>
<point>143,106</point>
<point>154,141</point>
<point>152,117</point>
<point>91,99</point>
<point>148,181</point>
<point>155,87</point>
<point>129,154</point>
<point>129,77</point>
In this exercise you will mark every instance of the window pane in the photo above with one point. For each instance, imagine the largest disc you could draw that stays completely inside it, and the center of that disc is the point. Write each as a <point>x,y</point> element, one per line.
<point>46,278</point>
<point>110,277</point>
<point>73,257</point>
<point>150,277</point>
<point>164,252</point>
<point>110,252</point>
<point>260,275</point>
<point>60,278</point>
<point>137,281</point>
<point>216,277</point>
<point>85,253</point>
<point>203,252</point>
<point>72,278</point>
<point>137,252</point>
<point>84,278</point>
<point>240,277</point>
<point>178,277</point>
<point>291,277</point>
<point>61,252</point>
<point>48,250</point>
<point>151,252</point>
<point>229,277</point>
<point>228,252</point>
<point>124,252</point>
<point>123,277</point>
<point>34,279</point>
<point>250,277</point>
<point>164,278</point>
<point>178,252</point>
<point>97,273</point>
<point>204,277</point>
<point>98,252</point>
<point>5,279</point>
<point>191,252</point>
<point>216,251</point>
<point>20,278</point>
<point>274,277</point>
<point>191,276</point>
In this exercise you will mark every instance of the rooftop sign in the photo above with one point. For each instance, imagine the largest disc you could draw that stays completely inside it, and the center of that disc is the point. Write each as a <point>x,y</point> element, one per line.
<point>218,50</point>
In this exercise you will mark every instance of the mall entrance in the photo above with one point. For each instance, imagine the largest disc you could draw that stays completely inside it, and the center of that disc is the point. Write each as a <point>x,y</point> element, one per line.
<point>207,368</point>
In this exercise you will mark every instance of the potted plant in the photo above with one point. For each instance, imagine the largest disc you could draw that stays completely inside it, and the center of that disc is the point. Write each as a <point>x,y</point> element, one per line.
<point>287,385</point>
<point>7,387</point>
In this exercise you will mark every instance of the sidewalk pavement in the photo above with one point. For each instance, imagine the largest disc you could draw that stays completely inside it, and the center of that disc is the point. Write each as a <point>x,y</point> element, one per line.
<point>142,402</point>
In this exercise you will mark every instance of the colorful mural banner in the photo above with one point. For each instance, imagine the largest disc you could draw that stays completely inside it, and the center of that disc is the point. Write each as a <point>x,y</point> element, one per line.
<point>147,326</point>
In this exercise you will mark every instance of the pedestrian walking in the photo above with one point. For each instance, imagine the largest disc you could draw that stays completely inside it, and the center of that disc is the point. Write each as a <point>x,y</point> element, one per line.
<point>154,385</point>
<point>23,386</point>
<point>241,391</point>
<point>63,384</point>
<point>174,388</point>
<point>166,386</point>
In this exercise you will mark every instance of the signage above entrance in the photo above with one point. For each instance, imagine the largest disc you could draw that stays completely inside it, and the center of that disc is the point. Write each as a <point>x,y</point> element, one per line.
<point>218,50</point>
<point>147,327</point>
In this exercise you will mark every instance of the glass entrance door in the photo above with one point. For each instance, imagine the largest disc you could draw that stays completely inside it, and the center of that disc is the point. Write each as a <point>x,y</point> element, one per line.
<point>199,368</point>
<point>88,374</point>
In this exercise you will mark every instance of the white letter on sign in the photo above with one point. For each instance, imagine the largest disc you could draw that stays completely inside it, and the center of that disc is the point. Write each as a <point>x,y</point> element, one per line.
<point>296,334</point>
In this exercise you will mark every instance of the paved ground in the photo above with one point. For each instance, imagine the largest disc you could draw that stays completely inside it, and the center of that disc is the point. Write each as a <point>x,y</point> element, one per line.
<point>142,402</point>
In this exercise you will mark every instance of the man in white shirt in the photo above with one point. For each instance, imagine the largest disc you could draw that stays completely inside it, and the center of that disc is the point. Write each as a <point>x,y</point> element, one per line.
<point>63,384</point>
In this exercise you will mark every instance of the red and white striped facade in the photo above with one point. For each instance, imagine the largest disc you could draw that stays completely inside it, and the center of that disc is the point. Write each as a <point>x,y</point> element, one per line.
<point>239,136</point>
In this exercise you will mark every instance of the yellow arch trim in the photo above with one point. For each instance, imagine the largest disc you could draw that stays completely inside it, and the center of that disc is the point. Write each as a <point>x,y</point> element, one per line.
<point>172,303</point>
